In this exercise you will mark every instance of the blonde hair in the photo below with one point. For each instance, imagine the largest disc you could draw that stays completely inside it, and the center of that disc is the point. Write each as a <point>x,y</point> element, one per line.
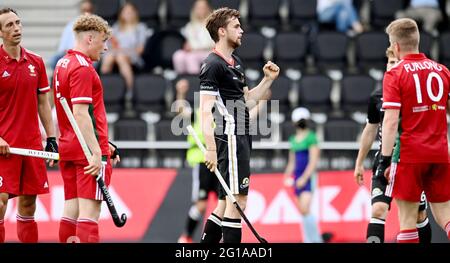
<point>90,22</point>
<point>405,32</point>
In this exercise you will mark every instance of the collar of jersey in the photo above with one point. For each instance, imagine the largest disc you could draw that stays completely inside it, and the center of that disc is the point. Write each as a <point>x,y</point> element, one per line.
<point>415,56</point>
<point>3,54</point>
<point>231,63</point>
<point>71,51</point>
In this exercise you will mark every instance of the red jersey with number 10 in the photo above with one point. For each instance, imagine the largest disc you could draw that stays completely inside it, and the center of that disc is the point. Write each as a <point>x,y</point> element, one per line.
<point>76,80</point>
<point>419,88</point>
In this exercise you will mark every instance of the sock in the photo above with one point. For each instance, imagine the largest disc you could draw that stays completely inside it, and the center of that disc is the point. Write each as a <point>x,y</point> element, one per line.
<point>375,230</point>
<point>2,231</point>
<point>232,230</point>
<point>310,228</point>
<point>213,230</point>
<point>192,220</point>
<point>447,229</point>
<point>424,229</point>
<point>87,230</point>
<point>408,236</point>
<point>67,229</point>
<point>27,230</point>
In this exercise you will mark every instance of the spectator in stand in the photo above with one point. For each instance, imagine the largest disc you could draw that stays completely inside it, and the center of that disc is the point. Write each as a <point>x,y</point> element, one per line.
<point>198,42</point>
<point>67,38</point>
<point>342,12</point>
<point>425,11</point>
<point>126,46</point>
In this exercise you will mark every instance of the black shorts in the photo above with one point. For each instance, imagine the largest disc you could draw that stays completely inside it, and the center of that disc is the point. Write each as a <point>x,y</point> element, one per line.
<point>233,156</point>
<point>378,191</point>
<point>203,182</point>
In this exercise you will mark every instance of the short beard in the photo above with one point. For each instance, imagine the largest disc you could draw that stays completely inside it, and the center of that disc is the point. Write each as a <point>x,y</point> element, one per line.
<point>234,44</point>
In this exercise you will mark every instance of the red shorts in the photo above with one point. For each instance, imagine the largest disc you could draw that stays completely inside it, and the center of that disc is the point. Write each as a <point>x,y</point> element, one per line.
<point>77,184</point>
<point>23,175</point>
<point>407,180</point>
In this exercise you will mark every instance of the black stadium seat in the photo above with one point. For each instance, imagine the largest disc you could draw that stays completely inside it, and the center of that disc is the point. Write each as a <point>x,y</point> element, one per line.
<point>355,92</point>
<point>314,93</point>
<point>108,9</point>
<point>264,13</point>
<point>302,13</point>
<point>113,92</point>
<point>330,50</point>
<point>251,51</point>
<point>148,11</point>
<point>370,48</point>
<point>149,92</point>
<point>426,43</point>
<point>444,48</point>
<point>178,12</point>
<point>382,12</point>
<point>343,129</point>
<point>234,4</point>
<point>131,130</point>
<point>290,50</point>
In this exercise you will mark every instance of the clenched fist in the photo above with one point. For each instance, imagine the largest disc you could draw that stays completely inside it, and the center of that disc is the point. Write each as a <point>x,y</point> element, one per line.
<point>271,70</point>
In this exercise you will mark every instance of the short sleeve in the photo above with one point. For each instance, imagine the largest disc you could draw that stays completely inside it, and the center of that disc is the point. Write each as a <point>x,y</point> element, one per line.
<point>373,113</point>
<point>391,90</point>
<point>210,73</point>
<point>43,86</point>
<point>81,83</point>
<point>141,34</point>
<point>312,139</point>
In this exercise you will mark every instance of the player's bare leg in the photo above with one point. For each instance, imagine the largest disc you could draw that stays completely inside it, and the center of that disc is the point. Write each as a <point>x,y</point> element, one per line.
<point>87,224</point>
<point>311,233</point>
<point>68,223</point>
<point>441,212</point>
<point>3,204</point>
<point>231,224</point>
<point>27,230</point>
<point>212,233</point>
<point>407,215</point>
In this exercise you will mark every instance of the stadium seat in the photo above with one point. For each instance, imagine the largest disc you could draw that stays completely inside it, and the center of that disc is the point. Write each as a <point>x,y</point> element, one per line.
<point>264,13</point>
<point>194,86</point>
<point>303,13</point>
<point>355,92</point>
<point>170,43</point>
<point>341,130</point>
<point>280,92</point>
<point>149,93</point>
<point>113,92</point>
<point>444,48</point>
<point>330,50</point>
<point>108,9</point>
<point>178,12</point>
<point>251,51</point>
<point>170,157</point>
<point>234,4</point>
<point>290,49</point>
<point>148,11</point>
<point>382,12</point>
<point>370,48</point>
<point>314,93</point>
<point>426,43</point>
<point>131,130</point>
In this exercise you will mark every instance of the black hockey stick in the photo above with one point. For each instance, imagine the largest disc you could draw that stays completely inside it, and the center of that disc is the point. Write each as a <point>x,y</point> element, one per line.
<point>225,187</point>
<point>118,221</point>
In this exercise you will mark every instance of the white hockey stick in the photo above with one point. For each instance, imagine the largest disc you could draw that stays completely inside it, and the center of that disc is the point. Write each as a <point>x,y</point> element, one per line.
<point>34,153</point>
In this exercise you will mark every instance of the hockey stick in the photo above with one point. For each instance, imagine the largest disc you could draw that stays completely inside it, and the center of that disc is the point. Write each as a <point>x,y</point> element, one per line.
<point>34,153</point>
<point>225,186</point>
<point>118,221</point>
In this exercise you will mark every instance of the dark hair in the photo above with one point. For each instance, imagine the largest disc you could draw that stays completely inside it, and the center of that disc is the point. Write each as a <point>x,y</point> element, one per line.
<point>219,18</point>
<point>6,10</point>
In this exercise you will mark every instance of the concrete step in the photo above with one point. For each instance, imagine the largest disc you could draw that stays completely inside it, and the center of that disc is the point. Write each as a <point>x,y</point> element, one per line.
<point>27,4</point>
<point>47,43</point>
<point>38,31</point>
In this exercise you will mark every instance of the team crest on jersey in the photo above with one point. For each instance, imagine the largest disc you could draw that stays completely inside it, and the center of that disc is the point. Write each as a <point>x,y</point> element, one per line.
<point>32,72</point>
<point>376,192</point>
<point>245,183</point>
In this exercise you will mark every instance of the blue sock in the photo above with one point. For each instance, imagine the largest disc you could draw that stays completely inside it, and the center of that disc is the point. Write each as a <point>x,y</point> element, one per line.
<point>311,230</point>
